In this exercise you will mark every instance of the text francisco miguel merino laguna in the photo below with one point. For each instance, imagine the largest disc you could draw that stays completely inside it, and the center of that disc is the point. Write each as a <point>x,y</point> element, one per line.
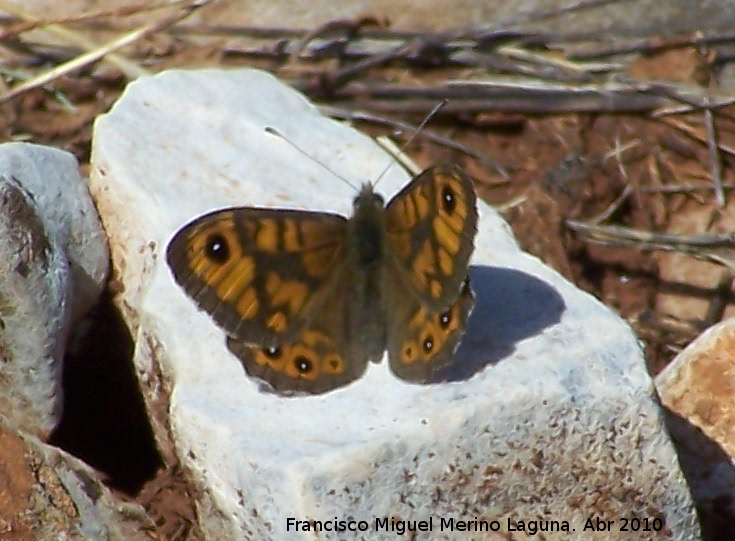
<point>400,527</point>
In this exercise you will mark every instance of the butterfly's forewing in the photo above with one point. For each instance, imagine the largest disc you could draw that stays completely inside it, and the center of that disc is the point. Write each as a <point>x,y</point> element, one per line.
<point>321,358</point>
<point>430,228</point>
<point>262,274</point>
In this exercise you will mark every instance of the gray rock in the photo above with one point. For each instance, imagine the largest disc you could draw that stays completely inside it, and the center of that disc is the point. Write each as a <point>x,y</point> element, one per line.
<point>53,264</point>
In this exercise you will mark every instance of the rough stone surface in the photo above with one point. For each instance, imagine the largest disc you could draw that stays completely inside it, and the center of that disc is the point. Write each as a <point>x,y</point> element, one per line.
<point>53,264</point>
<point>547,414</point>
<point>698,388</point>
<point>595,19</point>
<point>700,384</point>
<point>46,495</point>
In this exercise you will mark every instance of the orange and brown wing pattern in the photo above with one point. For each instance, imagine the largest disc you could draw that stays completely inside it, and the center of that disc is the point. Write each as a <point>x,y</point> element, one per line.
<point>321,358</point>
<point>420,341</point>
<point>430,226</point>
<point>260,273</point>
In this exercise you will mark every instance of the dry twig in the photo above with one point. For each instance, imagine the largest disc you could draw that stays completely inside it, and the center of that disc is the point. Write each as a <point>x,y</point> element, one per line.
<point>714,247</point>
<point>131,69</point>
<point>714,157</point>
<point>122,11</point>
<point>101,52</point>
<point>695,134</point>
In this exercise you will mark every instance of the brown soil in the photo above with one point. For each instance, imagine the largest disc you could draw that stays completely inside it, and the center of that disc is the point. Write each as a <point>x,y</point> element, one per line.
<point>16,482</point>
<point>562,167</point>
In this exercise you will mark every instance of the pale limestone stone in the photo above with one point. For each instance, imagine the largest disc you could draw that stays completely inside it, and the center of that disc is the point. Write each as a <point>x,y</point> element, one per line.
<point>548,413</point>
<point>53,266</point>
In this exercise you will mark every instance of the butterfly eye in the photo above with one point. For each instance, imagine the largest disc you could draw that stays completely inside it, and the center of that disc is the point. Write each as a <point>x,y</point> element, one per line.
<point>447,199</point>
<point>217,249</point>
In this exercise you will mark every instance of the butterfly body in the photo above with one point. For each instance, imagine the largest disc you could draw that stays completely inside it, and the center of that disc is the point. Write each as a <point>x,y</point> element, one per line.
<point>365,303</point>
<point>309,298</point>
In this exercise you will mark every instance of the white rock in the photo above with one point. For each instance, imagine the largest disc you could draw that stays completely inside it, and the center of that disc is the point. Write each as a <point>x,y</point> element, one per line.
<point>53,263</point>
<point>550,414</point>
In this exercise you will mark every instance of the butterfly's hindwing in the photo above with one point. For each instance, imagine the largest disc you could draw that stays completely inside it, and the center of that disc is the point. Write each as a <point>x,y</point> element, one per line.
<point>323,357</point>
<point>420,341</point>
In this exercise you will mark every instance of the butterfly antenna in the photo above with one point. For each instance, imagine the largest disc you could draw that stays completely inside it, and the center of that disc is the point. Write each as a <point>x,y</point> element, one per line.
<point>273,131</point>
<point>417,131</point>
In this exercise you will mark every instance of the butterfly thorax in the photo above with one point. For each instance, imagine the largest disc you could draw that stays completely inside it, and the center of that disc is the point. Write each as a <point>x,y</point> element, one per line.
<point>366,231</point>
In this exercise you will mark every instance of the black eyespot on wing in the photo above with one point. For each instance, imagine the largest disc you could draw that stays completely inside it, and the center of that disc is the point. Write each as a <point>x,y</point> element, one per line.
<point>303,365</point>
<point>428,343</point>
<point>272,352</point>
<point>217,249</point>
<point>445,319</point>
<point>448,200</point>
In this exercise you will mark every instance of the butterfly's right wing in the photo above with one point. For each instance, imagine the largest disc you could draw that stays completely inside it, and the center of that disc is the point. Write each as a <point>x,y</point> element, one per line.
<point>262,274</point>
<point>430,228</point>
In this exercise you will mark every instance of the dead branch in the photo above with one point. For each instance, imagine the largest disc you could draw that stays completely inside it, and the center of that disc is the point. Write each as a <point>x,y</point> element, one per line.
<point>529,97</point>
<point>100,52</point>
<point>713,247</point>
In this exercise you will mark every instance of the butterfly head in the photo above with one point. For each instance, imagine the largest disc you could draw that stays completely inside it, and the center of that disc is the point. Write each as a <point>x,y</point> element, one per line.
<point>368,197</point>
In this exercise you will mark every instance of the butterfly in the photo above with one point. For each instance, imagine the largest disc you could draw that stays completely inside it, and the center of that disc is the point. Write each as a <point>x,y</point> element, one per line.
<point>307,299</point>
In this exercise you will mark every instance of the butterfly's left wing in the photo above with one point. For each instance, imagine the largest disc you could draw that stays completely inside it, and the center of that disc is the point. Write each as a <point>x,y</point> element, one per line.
<point>321,358</point>
<point>430,228</point>
<point>262,274</point>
